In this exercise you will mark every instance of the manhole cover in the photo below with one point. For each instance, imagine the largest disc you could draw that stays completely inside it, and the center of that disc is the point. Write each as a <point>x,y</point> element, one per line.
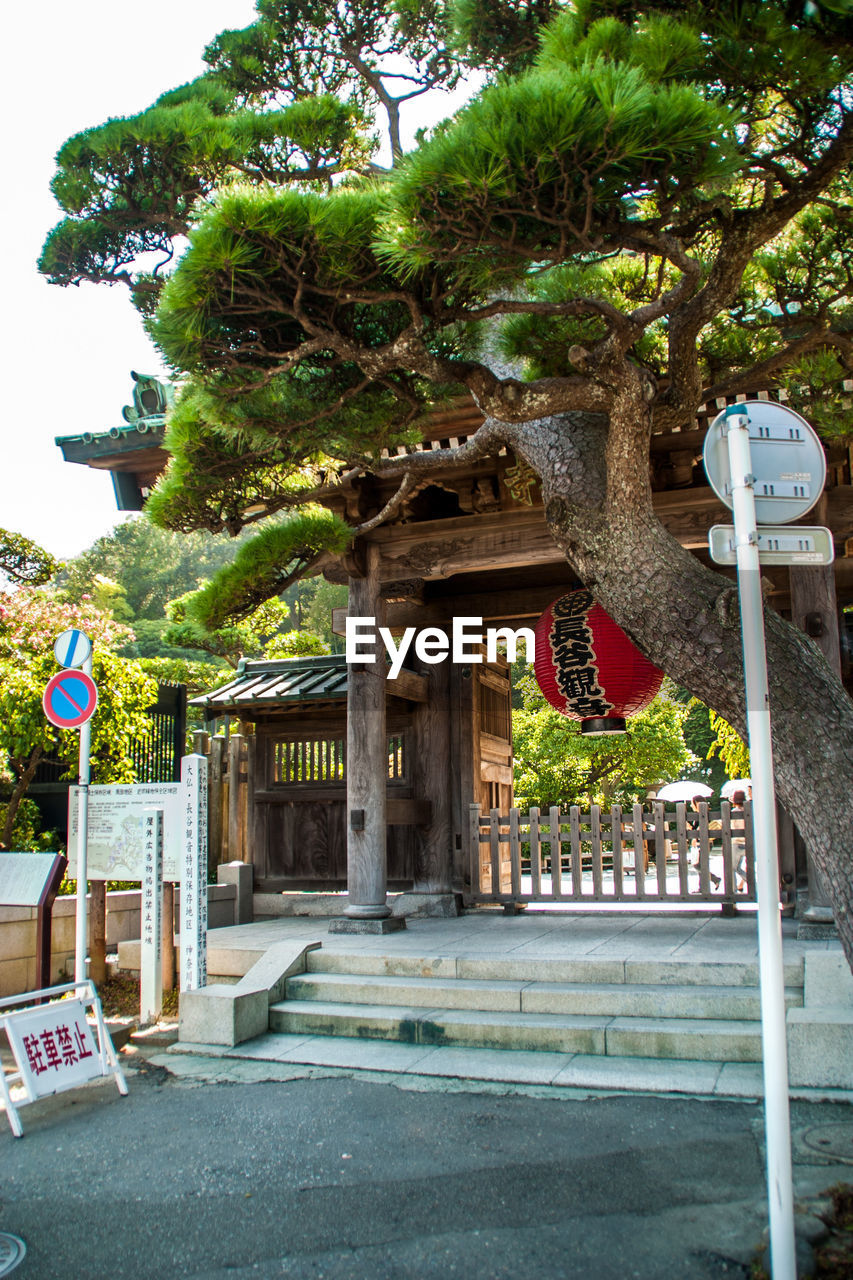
<point>835,1140</point>
<point>12,1252</point>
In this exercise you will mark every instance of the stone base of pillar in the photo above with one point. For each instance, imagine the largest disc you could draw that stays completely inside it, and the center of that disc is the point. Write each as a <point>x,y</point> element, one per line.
<point>816,924</point>
<point>442,905</point>
<point>355,924</point>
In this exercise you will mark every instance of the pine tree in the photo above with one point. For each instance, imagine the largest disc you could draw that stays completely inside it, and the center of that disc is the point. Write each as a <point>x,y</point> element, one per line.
<point>646,206</point>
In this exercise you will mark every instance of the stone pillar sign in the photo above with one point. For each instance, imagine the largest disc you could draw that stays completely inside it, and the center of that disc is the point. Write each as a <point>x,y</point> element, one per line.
<point>194,874</point>
<point>151,953</point>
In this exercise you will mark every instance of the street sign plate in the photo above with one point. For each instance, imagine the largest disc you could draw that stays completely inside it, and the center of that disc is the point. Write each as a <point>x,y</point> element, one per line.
<point>70,699</point>
<point>777,544</point>
<point>72,648</point>
<point>788,462</point>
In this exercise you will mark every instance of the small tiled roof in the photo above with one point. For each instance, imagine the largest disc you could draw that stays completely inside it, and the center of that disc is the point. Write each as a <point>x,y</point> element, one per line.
<point>265,684</point>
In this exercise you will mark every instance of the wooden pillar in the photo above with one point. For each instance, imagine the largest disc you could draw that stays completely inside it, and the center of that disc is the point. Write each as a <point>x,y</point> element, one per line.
<point>98,931</point>
<point>432,782</point>
<point>465,788</point>
<point>168,937</point>
<point>814,609</point>
<point>367,759</point>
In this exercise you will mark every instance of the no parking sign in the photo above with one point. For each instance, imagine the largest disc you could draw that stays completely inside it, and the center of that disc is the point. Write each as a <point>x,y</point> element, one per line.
<point>69,702</point>
<point>70,699</point>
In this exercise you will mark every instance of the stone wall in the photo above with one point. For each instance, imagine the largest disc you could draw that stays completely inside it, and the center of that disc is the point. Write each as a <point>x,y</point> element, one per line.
<point>18,933</point>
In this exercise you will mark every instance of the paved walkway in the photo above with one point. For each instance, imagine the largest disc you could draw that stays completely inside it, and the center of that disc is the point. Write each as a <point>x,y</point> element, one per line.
<point>532,934</point>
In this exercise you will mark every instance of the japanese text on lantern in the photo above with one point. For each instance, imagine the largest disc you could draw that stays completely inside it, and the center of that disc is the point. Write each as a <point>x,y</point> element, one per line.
<point>576,670</point>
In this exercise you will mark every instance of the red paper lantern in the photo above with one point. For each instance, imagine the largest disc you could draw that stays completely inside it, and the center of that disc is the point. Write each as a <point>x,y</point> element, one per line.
<point>588,668</point>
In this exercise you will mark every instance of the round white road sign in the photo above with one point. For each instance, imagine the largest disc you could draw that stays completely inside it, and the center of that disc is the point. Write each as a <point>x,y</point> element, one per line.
<point>72,648</point>
<point>788,461</point>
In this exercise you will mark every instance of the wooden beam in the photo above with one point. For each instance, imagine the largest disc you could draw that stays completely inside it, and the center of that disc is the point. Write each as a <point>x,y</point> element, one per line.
<point>409,685</point>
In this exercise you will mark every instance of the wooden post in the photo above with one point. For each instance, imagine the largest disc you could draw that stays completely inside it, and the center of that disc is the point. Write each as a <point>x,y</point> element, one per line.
<point>216,763</point>
<point>814,609</point>
<point>367,760</point>
<point>168,927</point>
<point>432,782</point>
<point>235,761</point>
<point>98,931</point>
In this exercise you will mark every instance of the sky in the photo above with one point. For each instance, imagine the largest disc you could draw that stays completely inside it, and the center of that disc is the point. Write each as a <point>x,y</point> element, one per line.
<point>67,353</point>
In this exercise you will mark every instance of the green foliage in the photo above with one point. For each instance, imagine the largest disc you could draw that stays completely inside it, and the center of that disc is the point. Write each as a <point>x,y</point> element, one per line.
<point>22,560</point>
<point>190,141</point>
<point>501,35</point>
<point>533,158</point>
<point>150,565</point>
<point>297,644</point>
<point>730,747</point>
<point>198,677</point>
<point>30,620</point>
<point>700,738</point>
<point>26,835</point>
<point>265,566</point>
<point>557,765</point>
<point>246,639</point>
<point>300,48</point>
<point>604,179</point>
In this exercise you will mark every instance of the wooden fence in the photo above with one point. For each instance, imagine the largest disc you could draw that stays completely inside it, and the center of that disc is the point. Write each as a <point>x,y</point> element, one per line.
<point>613,855</point>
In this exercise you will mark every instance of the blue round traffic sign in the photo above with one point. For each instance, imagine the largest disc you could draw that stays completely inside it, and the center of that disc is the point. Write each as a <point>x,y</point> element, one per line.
<point>70,699</point>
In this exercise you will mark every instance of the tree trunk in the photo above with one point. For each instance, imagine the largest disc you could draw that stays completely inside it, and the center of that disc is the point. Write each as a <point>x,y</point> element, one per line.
<point>20,790</point>
<point>686,619</point>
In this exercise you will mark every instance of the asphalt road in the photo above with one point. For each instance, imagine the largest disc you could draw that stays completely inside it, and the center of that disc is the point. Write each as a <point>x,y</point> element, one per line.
<point>338,1178</point>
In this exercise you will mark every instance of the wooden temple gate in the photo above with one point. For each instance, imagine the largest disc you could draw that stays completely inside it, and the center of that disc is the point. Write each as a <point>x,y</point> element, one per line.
<point>278,792</point>
<point>471,542</point>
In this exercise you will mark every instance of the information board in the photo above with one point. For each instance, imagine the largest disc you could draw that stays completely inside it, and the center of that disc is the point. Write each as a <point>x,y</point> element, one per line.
<point>24,877</point>
<point>116,814</point>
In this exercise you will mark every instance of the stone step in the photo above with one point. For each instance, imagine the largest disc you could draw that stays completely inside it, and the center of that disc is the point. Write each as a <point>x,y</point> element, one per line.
<point>608,999</point>
<point>595,969</point>
<point>698,1039</point>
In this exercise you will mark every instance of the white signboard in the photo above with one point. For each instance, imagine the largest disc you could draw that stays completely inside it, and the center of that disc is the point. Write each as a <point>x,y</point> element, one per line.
<point>54,1048</point>
<point>787,459</point>
<point>194,874</point>
<point>115,843</point>
<point>777,544</point>
<point>54,1045</point>
<point>72,648</point>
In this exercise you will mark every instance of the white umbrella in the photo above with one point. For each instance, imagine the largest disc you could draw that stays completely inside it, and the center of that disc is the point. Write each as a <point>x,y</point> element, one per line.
<point>734,784</point>
<point>684,791</point>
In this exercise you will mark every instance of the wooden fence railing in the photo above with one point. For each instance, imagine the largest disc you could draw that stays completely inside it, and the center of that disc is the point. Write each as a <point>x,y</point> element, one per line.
<point>612,855</point>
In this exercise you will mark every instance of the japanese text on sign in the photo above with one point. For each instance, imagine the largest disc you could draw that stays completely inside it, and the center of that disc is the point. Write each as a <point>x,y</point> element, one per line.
<point>194,874</point>
<point>54,1048</point>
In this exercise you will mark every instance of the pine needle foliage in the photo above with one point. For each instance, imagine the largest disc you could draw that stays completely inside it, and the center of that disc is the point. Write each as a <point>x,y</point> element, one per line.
<point>589,196</point>
<point>265,566</point>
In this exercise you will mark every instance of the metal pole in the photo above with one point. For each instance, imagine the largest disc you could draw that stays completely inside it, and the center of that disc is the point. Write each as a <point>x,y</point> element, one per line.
<point>771,972</point>
<point>83,842</point>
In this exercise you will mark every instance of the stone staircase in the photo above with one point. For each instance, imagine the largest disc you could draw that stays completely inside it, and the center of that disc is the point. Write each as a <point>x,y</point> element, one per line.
<point>623,1009</point>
